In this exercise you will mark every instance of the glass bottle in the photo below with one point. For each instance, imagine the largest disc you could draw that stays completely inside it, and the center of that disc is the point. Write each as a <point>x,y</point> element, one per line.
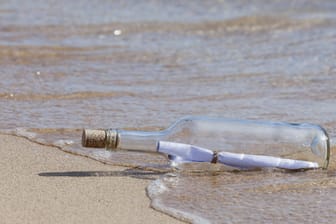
<point>295,141</point>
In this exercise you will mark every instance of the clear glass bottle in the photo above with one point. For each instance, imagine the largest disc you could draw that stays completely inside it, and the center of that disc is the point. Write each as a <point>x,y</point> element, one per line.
<point>304,141</point>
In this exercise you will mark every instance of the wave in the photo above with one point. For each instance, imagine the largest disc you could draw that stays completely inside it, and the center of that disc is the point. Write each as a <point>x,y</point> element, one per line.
<point>69,96</point>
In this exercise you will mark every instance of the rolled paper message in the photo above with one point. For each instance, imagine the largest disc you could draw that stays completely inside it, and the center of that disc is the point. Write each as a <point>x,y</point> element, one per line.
<point>192,153</point>
<point>246,161</point>
<point>188,153</point>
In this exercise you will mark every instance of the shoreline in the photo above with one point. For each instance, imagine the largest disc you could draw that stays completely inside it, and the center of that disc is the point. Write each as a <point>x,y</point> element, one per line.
<point>42,184</point>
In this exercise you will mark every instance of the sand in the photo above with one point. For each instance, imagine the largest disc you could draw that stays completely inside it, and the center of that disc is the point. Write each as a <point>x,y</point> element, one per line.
<point>41,184</point>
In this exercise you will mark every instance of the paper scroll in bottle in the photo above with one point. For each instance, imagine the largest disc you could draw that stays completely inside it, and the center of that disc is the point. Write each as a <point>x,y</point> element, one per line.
<point>191,153</point>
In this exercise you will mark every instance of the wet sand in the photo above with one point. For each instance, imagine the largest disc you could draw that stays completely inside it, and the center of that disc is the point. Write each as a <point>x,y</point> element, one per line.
<point>40,184</point>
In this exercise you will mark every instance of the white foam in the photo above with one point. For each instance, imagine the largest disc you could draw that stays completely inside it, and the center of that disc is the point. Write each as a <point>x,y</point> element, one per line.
<point>24,133</point>
<point>156,189</point>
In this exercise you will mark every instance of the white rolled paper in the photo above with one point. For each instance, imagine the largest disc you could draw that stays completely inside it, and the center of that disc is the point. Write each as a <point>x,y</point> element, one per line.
<point>188,153</point>
<point>191,153</point>
<point>246,161</point>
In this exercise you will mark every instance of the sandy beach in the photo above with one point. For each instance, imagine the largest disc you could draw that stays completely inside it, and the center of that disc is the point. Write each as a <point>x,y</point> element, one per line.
<point>143,65</point>
<point>41,184</point>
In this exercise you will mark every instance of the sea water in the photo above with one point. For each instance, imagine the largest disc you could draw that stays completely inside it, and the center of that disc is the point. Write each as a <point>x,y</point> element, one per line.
<point>68,65</point>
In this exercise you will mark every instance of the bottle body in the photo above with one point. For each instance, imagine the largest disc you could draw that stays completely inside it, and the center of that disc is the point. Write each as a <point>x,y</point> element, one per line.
<point>306,142</point>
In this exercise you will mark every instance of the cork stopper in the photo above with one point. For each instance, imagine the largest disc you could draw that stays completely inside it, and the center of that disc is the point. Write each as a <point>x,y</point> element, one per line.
<point>94,138</point>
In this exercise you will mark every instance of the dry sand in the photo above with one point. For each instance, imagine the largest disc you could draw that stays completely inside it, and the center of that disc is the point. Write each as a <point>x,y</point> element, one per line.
<point>41,184</point>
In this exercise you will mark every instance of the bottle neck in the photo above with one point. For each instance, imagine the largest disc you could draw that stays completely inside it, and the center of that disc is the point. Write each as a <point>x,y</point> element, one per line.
<point>137,140</point>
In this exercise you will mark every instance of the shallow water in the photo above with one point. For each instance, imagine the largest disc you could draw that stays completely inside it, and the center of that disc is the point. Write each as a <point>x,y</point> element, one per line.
<point>142,65</point>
